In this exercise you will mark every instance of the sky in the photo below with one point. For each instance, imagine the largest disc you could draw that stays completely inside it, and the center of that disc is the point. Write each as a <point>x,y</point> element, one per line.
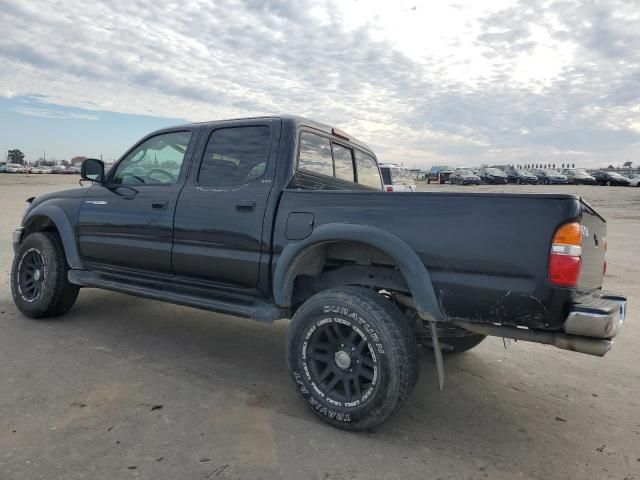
<point>423,83</point>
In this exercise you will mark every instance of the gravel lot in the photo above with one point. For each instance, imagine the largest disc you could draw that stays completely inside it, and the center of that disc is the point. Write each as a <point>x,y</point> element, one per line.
<point>123,387</point>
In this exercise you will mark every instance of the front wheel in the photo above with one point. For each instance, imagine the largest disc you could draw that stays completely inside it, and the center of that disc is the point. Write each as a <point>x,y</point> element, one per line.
<point>39,282</point>
<point>352,355</point>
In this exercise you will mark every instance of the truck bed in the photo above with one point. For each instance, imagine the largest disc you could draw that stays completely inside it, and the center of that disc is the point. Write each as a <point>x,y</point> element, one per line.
<point>487,254</point>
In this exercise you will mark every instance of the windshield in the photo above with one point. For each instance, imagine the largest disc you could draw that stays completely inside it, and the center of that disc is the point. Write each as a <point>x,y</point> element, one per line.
<point>401,175</point>
<point>552,172</point>
<point>581,171</point>
<point>464,172</point>
<point>613,174</point>
<point>495,171</point>
<point>522,172</point>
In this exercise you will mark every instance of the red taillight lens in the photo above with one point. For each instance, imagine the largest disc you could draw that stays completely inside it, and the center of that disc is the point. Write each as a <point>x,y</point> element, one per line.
<point>564,270</point>
<point>566,250</point>
<point>389,189</point>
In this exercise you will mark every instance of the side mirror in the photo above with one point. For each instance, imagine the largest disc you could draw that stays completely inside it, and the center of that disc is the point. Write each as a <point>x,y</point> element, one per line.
<point>92,169</point>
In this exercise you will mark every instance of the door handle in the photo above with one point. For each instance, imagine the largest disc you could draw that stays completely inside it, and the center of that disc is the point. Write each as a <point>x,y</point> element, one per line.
<point>246,206</point>
<point>159,205</point>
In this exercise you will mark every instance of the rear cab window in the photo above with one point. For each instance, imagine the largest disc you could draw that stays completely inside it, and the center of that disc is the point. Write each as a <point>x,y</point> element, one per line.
<point>324,163</point>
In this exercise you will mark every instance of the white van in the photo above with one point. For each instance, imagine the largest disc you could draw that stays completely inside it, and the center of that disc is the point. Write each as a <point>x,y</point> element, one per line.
<point>397,178</point>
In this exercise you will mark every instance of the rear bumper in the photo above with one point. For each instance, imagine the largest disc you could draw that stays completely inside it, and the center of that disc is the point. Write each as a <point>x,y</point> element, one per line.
<point>596,316</point>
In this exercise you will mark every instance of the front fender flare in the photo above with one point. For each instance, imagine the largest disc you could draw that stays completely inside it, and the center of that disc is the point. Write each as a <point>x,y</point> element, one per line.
<point>410,265</point>
<point>62,223</point>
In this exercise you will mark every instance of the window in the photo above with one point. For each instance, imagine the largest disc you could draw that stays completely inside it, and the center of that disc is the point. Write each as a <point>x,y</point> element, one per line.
<point>343,162</point>
<point>386,175</point>
<point>315,154</point>
<point>157,161</point>
<point>235,156</point>
<point>367,168</point>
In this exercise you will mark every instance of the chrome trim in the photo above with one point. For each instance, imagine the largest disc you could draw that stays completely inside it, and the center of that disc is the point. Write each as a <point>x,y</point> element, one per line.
<point>597,325</point>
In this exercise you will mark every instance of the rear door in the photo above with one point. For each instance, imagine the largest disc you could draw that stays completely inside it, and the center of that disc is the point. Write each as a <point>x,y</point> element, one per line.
<point>218,236</point>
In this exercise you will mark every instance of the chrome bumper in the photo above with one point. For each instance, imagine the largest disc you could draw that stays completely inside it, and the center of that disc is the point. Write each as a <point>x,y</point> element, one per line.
<point>16,237</point>
<point>596,316</point>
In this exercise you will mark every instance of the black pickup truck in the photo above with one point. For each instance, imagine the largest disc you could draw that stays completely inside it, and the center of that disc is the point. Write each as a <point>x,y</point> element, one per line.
<point>282,217</point>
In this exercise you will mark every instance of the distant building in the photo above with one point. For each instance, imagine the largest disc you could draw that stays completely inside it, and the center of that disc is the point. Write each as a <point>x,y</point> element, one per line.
<point>75,161</point>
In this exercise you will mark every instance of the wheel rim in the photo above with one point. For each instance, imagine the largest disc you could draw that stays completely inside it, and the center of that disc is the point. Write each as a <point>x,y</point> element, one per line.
<point>31,275</point>
<point>341,363</point>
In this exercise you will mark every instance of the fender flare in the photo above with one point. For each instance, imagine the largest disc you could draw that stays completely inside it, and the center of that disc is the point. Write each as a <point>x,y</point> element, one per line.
<point>414,271</point>
<point>62,223</point>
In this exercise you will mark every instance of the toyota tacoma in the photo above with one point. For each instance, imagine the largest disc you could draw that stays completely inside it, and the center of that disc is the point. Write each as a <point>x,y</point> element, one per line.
<point>283,217</point>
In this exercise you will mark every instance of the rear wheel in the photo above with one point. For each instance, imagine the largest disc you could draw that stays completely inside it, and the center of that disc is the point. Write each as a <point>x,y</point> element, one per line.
<point>352,355</point>
<point>39,282</point>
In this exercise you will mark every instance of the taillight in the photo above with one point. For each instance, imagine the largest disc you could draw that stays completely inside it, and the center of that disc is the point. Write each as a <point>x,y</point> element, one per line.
<point>566,250</point>
<point>389,189</point>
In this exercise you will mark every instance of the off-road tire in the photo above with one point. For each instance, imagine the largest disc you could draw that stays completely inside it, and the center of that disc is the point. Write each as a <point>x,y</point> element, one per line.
<point>384,334</point>
<point>56,295</point>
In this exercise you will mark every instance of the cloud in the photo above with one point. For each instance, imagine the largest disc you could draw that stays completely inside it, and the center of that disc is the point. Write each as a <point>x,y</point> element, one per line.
<point>59,114</point>
<point>436,84</point>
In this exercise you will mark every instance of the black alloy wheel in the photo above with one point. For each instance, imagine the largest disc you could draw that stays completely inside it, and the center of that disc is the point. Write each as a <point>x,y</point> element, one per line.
<point>31,275</point>
<point>342,363</point>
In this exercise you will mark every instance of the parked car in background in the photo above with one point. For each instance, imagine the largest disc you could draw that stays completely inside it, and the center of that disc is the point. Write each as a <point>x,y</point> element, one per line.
<point>397,178</point>
<point>38,170</point>
<point>550,177</point>
<point>464,177</point>
<point>15,168</point>
<point>439,174</point>
<point>611,178</point>
<point>3,167</point>
<point>579,176</point>
<point>493,175</point>
<point>520,176</point>
<point>634,180</point>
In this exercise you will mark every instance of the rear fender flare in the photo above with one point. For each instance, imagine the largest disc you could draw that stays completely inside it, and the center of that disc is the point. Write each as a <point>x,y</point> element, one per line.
<point>414,271</point>
<point>63,225</point>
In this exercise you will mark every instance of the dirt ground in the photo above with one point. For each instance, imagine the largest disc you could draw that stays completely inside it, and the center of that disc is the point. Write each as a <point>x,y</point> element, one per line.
<point>123,387</point>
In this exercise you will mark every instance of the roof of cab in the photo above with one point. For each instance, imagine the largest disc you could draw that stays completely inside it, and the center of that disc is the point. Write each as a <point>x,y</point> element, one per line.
<point>296,120</point>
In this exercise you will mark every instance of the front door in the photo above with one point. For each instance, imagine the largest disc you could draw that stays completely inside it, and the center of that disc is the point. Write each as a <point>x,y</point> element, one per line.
<point>127,223</point>
<point>219,219</point>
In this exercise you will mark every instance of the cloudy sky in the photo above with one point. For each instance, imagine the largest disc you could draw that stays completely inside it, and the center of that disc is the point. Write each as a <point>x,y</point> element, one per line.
<point>422,82</point>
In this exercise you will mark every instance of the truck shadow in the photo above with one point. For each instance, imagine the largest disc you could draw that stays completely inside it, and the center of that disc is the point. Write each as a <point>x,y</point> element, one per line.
<point>487,409</point>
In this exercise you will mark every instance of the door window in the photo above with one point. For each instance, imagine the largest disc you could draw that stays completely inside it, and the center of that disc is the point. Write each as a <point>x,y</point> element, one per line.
<point>235,156</point>
<point>156,161</point>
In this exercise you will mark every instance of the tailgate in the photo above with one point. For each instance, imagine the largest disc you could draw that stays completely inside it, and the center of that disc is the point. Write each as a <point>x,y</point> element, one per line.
<point>594,230</point>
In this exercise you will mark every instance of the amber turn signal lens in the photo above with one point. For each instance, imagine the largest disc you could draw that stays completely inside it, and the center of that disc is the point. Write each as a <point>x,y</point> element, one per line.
<point>569,234</point>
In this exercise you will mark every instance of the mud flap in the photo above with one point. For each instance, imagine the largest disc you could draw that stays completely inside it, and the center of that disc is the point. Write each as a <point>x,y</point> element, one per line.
<point>438,353</point>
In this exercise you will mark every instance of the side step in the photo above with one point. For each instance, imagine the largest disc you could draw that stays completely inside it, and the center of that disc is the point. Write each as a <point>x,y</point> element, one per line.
<point>237,305</point>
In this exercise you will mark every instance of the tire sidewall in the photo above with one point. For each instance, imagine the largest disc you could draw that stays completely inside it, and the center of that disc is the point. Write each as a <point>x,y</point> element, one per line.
<point>51,270</point>
<point>329,309</point>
